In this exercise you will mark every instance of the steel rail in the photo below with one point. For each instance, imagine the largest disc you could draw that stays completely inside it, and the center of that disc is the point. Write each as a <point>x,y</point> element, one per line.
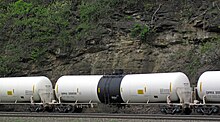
<point>112,116</point>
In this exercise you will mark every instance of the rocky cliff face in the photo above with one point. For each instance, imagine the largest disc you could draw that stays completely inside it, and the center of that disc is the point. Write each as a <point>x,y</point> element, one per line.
<point>138,36</point>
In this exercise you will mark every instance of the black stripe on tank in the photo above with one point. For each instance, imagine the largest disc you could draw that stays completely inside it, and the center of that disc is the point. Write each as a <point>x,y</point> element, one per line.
<point>108,89</point>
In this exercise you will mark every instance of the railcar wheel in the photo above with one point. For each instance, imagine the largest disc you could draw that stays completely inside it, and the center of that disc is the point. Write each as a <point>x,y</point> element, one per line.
<point>199,109</point>
<point>48,108</point>
<point>78,110</point>
<point>215,109</point>
<point>70,108</point>
<point>39,108</point>
<point>31,108</point>
<point>163,110</point>
<point>61,108</point>
<point>187,111</point>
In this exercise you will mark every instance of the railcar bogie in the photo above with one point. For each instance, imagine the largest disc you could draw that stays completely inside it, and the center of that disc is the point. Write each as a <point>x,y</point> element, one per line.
<point>207,109</point>
<point>171,109</point>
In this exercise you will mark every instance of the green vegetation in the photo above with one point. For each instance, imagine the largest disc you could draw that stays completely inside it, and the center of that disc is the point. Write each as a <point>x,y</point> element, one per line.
<point>38,23</point>
<point>141,31</point>
<point>128,17</point>
<point>210,51</point>
<point>207,53</point>
<point>193,60</point>
<point>20,8</point>
<point>28,28</point>
<point>206,47</point>
<point>210,46</point>
<point>9,61</point>
<point>36,53</point>
<point>91,13</point>
<point>148,6</point>
<point>4,69</point>
<point>32,30</point>
<point>31,23</point>
<point>195,63</point>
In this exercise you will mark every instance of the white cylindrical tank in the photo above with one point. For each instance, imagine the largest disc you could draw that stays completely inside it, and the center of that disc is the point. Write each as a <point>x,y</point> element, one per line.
<point>209,85</point>
<point>25,89</point>
<point>155,87</point>
<point>82,88</point>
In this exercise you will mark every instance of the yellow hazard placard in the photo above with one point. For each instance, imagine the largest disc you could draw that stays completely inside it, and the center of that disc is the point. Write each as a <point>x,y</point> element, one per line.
<point>33,88</point>
<point>200,87</point>
<point>140,91</point>
<point>99,90</point>
<point>56,88</point>
<point>170,87</point>
<point>9,92</point>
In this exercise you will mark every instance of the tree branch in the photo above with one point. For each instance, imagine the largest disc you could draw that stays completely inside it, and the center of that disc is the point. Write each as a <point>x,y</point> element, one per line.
<point>153,16</point>
<point>216,6</point>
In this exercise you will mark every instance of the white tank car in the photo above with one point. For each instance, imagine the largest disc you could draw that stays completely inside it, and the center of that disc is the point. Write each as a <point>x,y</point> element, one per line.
<point>155,87</point>
<point>209,86</point>
<point>82,88</point>
<point>26,89</point>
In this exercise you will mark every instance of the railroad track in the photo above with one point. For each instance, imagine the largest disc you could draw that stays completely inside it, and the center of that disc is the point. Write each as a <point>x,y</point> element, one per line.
<point>113,116</point>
